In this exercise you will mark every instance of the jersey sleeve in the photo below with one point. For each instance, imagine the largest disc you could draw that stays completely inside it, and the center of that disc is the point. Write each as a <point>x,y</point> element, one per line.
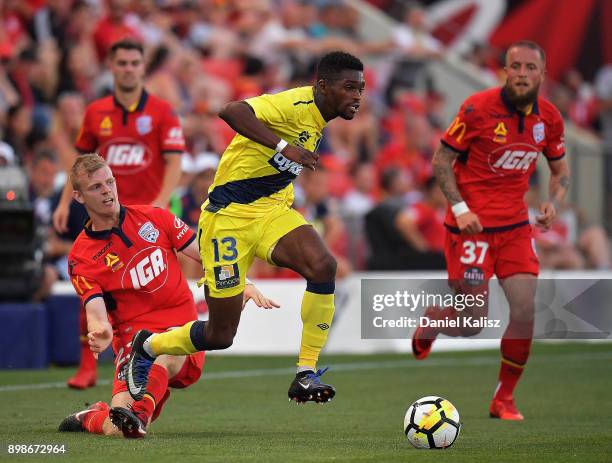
<point>555,141</point>
<point>179,233</point>
<point>269,108</point>
<point>86,139</point>
<point>85,286</point>
<point>464,128</point>
<point>172,139</point>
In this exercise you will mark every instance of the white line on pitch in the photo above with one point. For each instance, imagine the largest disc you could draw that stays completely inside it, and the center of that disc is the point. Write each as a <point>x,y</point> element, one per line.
<point>356,366</point>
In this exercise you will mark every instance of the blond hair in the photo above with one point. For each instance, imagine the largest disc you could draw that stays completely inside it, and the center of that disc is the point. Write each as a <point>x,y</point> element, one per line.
<point>85,163</point>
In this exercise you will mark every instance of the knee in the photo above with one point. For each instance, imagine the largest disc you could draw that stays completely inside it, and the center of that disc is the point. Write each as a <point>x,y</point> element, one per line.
<point>469,331</point>
<point>172,363</point>
<point>522,313</point>
<point>322,269</point>
<point>220,338</point>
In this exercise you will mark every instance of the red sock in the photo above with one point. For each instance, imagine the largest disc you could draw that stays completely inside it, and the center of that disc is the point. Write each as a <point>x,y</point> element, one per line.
<point>515,345</point>
<point>156,388</point>
<point>94,421</point>
<point>88,362</point>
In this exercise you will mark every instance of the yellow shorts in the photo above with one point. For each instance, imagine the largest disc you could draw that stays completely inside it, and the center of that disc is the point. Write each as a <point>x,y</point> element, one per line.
<point>229,244</point>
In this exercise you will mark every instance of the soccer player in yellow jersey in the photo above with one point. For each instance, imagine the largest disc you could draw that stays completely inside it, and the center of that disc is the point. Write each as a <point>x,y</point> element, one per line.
<point>248,213</point>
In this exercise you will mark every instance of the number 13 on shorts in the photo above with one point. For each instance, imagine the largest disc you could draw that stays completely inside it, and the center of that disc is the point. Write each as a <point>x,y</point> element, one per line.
<point>225,249</point>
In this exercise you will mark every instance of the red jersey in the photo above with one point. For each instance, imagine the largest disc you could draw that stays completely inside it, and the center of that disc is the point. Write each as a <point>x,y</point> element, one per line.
<point>430,223</point>
<point>132,142</point>
<point>498,147</point>
<point>135,269</point>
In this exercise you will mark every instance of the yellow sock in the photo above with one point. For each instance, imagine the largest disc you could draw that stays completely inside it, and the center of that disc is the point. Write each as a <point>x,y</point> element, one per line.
<point>317,315</point>
<point>174,342</point>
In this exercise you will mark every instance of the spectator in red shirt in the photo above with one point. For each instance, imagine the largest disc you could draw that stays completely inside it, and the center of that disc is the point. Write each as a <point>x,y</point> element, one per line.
<point>422,224</point>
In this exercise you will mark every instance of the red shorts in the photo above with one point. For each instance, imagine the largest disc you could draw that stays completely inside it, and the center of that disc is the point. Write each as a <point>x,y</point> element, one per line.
<point>188,375</point>
<point>474,259</point>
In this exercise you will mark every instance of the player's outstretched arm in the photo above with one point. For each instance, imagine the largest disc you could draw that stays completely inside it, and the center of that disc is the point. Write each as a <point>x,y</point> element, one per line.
<point>62,211</point>
<point>100,332</point>
<point>193,251</point>
<point>241,117</point>
<point>442,163</point>
<point>251,292</point>
<point>172,175</point>
<point>558,187</point>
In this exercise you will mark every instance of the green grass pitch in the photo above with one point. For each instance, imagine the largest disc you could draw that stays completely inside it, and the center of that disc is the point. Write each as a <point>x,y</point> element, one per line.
<point>239,411</point>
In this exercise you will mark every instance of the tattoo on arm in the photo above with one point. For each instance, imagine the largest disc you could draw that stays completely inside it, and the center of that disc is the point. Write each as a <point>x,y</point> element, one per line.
<point>443,170</point>
<point>559,185</point>
<point>559,181</point>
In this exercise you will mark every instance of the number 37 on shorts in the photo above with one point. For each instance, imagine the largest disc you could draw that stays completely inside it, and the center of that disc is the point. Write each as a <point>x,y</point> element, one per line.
<point>476,258</point>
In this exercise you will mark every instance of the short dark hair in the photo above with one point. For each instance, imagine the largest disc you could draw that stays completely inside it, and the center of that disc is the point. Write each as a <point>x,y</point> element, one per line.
<point>126,44</point>
<point>333,63</point>
<point>44,154</point>
<point>527,44</point>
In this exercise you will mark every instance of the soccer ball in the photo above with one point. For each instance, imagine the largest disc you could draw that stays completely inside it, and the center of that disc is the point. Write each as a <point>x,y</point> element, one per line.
<point>432,423</point>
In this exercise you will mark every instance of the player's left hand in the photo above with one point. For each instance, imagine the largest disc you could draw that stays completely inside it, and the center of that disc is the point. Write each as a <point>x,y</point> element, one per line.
<point>251,292</point>
<point>99,338</point>
<point>548,213</point>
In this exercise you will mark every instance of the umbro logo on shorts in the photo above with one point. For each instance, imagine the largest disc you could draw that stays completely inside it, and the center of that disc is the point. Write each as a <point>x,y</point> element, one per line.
<point>323,326</point>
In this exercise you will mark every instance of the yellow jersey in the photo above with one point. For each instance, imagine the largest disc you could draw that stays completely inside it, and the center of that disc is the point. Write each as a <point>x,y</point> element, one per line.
<point>252,179</point>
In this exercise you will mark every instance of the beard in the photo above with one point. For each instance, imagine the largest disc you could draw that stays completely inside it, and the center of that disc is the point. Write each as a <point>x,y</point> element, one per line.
<point>520,101</point>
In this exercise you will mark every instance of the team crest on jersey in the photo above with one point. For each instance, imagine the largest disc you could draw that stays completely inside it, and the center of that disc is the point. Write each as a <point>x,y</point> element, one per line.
<point>112,261</point>
<point>106,127</point>
<point>144,124</point>
<point>303,137</point>
<point>538,132</point>
<point>227,276</point>
<point>500,133</point>
<point>148,232</point>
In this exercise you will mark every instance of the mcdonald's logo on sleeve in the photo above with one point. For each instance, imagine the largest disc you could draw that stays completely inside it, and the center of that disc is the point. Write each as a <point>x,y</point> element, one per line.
<point>457,129</point>
<point>81,284</point>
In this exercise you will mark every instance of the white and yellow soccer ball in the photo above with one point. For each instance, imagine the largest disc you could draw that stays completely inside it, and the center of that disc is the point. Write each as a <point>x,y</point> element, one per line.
<point>432,423</point>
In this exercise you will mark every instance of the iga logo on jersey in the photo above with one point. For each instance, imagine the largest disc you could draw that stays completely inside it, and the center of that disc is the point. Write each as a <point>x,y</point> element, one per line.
<point>147,270</point>
<point>126,156</point>
<point>282,164</point>
<point>514,160</point>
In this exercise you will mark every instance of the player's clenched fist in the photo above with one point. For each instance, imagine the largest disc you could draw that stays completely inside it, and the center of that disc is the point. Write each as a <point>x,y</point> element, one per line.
<point>468,223</point>
<point>301,155</point>
<point>547,215</point>
<point>99,338</point>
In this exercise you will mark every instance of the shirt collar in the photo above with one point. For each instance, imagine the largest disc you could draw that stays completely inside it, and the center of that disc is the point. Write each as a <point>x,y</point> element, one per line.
<point>316,113</point>
<point>139,106</point>
<point>104,234</point>
<point>510,107</point>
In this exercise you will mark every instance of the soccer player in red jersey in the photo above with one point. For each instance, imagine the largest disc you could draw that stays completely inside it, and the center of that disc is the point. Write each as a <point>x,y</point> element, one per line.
<point>125,270</point>
<point>483,166</point>
<point>141,139</point>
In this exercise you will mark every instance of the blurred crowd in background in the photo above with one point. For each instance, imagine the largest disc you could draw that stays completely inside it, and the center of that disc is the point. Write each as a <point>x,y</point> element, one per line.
<point>373,199</point>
